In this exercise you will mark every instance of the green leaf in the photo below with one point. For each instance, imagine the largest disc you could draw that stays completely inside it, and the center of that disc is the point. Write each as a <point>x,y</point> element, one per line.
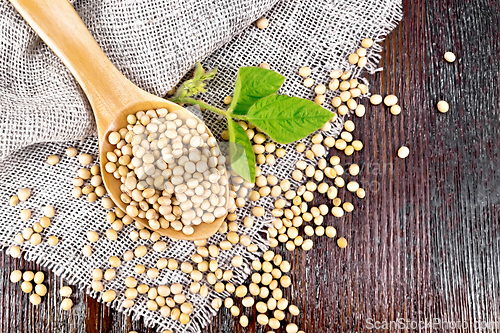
<point>198,72</point>
<point>208,75</point>
<point>252,84</point>
<point>286,119</point>
<point>241,153</point>
<point>196,85</point>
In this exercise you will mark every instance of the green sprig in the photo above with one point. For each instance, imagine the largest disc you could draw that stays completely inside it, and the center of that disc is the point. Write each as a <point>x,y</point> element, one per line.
<point>285,119</point>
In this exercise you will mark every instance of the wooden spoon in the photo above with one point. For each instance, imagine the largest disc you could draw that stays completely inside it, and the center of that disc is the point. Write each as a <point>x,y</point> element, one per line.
<point>111,95</point>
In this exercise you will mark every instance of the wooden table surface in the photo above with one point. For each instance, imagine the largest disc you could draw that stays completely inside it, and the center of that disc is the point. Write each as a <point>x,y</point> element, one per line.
<point>423,244</point>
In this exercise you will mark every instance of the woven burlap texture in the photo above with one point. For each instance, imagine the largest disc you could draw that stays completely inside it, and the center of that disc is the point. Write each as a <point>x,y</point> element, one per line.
<point>155,43</point>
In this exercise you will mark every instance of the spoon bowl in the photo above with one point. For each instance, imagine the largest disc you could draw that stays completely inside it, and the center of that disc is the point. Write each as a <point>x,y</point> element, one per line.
<point>112,96</point>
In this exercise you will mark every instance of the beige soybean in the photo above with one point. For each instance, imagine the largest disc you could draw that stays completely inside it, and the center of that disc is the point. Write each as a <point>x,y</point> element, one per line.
<point>14,200</point>
<point>308,82</point>
<point>227,100</point>
<point>127,303</point>
<point>292,328</point>
<point>53,240</point>
<point>45,222</point>
<point>35,239</point>
<point>25,214</point>
<point>237,261</point>
<point>131,293</point>
<point>235,311</point>
<point>357,145</point>
<point>390,100</point>
<point>87,250</point>
<point>163,291</point>
<point>84,173</point>
<point>140,251</point>
<point>258,211</point>
<point>330,231</point>
<point>130,282</point>
<point>85,159</point>
<point>307,245</point>
<point>301,147</point>
<point>450,56</point>
<point>142,288</point>
<point>152,305</point>
<point>114,261</point>
<point>71,152</point>
<point>26,287</point>
<point>66,304</point>
<point>109,274</point>
<point>23,194</point>
<point>92,236</point>
<point>274,323</point>
<point>320,89</point>
<point>37,227</point>
<point>403,152</point>
<point>248,301</point>
<point>97,274</point>
<point>344,97</point>
<point>285,281</point>
<point>216,303</point>
<point>262,319</point>
<point>346,136</point>
<point>175,314</point>
<point>443,106</point>
<point>172,264</point>
<point>352,186</point>
<point>335,74</point>
<point>334,84</point>
<point>52,159</point>
<point>152,273</point>
<point>354,169</point>
<point>262,23</point>
<point>344,86</point>
<point>336,102</point>
<point>376,99</point>
<point>305,71</point>
<point>349,126</point>
<point>395,110</point>
<point>337,212</point>
<point>362,61</point>
<point>76,192</point>
<point>244,321</point>
<point>39,277</point>
<point>65,291</point>
<point>41,289</point>
<point>349,150</point>
<point>342,242</point>
<point>353,58</point>
<point>16,276</point>
<point>360,110</point>
<point>367,43</point>
<point>108,296</point>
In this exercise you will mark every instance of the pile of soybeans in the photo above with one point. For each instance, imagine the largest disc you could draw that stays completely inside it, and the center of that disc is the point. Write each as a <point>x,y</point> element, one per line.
<point>172,171</point>
<point>173,175</point>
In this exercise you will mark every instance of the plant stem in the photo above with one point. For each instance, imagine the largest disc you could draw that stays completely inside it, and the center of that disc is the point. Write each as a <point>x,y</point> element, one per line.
<point>200,103</point>
<point>240,116</point>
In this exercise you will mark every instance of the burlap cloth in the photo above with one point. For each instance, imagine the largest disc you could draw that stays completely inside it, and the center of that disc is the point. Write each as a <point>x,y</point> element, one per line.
<point>155,43</point>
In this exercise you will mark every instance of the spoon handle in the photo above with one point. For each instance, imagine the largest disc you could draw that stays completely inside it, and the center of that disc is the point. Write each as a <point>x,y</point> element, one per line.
<point>59,25</point>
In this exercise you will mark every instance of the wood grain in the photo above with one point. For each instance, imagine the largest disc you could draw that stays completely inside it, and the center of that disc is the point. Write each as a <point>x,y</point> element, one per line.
<point>424,243</point>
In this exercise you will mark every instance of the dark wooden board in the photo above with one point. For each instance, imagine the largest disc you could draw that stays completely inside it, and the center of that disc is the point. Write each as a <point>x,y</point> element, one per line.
<point>424,243</point>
